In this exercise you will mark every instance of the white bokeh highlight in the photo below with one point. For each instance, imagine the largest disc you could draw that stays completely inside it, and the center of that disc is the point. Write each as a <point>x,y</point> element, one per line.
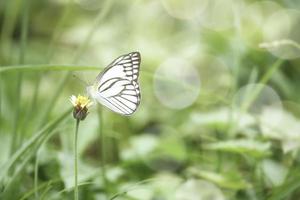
<point>216,79</point>
<point>219,14</point>
<point>90,4</point>
<point>255,98</point>
<point>282,34</point>
<point>194,189</point>
<point>176,83</point>
<point>253,20</point>
<point>182,9</point>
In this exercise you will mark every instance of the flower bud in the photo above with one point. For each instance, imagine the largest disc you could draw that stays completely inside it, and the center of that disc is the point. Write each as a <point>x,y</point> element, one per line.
<point>81,105</point>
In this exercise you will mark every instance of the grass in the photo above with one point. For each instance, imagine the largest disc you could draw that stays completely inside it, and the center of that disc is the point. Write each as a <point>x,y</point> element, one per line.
<point>159,152</point>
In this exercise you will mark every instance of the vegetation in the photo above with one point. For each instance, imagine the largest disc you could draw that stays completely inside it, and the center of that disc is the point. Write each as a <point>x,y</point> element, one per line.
<point>219,116</point>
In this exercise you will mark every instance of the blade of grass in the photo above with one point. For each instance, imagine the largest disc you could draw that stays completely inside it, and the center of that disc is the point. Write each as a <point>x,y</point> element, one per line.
<point>1,96</point>
<point>76,58</point>
<point>9,22</point>
<point>267,76</point>
<point>287,189</point>
<point>24,32</point>
<point>36,175</point>
<point>26,158</point>
<point>132,187</point>
<point>9,186</point>
<point>30,143</point>
<point>234,121</point>
<point>58,30</point>
<point>102,14</point>
<point>45,186</point>
<point>56,34</point>
<point>46,67</point>
<point>103,152</point>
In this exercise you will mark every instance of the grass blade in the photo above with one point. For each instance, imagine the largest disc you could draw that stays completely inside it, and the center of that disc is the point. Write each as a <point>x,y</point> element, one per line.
<point>31,142</point>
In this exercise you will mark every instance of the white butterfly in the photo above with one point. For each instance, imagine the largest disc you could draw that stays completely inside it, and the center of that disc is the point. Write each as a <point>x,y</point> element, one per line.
<point>117,86</point>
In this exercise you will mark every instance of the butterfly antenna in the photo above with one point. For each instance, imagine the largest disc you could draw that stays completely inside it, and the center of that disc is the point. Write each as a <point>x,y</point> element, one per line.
<point>82,81</point>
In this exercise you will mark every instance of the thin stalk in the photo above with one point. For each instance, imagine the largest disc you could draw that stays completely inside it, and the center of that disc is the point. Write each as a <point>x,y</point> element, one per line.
<point>30,113</point>
<point>11,12</point>
<point>236,119</point>
<point>267,76</point>
<point>24,33</point>
<point>25,159</point>
<point>45,67</point>
<point>58,30</point>
<point>131,188</point>
<point>36,175</point>
<point>219,154</point>
<point>28,144</point>
<point>77,56</point>
<point>15,137</point>
<point>1,83</point>
<point>76,161</point>
<point>51,50</point>
<point>106,7</point>
<point>102,144</point>
<point>42,186</point>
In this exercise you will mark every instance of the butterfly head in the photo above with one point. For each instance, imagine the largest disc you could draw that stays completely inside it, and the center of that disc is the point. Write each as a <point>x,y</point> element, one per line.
<point>91,91</point>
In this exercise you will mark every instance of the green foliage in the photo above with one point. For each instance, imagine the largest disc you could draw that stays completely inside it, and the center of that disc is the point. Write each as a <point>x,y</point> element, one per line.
<point>219,116</point>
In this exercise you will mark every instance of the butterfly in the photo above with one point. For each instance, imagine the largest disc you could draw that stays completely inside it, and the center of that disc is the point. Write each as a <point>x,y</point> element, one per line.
<point>117,87</point>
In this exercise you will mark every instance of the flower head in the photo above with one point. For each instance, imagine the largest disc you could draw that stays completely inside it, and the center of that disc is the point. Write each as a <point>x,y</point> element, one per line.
<point>81,105</point>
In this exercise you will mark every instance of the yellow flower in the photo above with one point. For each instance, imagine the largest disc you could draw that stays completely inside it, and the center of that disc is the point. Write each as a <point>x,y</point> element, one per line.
<point>81,105</point>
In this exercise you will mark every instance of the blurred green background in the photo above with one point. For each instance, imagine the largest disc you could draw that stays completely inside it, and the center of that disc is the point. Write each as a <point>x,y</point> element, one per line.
<point>219,115</point>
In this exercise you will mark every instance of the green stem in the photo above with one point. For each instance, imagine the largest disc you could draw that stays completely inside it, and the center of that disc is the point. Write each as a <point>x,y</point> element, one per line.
<point>36,175</point>
<point>76,161</point>
<point>1,82</point>
<point>58,30</point>
<point>76,57</point>
<point>262,82</point>
<point>10,17</point>
<point>102,144</point>
<point>24,33</point>
<point>106,8</point>
<point>56,34</point>
<point>28,144</point>
<point>45,67</point>
<point>15,136</point>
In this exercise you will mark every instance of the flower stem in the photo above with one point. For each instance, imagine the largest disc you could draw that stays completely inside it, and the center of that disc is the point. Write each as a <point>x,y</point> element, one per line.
<point>76,161</point>
<point>103,148</point>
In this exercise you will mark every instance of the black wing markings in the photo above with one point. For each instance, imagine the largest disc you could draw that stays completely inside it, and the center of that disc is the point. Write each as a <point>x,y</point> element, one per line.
<point>130,64</point>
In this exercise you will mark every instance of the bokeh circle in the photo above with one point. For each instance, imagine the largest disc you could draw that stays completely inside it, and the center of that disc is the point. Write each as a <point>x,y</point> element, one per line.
<point>256,97</point>
<point>176,83</point>
<point>282,34</point>
<point>183,9</point>
<point>194,189</point>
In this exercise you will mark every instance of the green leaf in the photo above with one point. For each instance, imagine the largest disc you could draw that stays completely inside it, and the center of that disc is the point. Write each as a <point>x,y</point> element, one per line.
<point>229,180</point>
<point>27,68</point>
<point>30,144</point>
<point>285,190</point>
<point>243,146</point>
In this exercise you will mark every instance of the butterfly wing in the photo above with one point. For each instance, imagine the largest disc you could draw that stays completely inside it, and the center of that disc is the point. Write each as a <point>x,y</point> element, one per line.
<point>117,86</point>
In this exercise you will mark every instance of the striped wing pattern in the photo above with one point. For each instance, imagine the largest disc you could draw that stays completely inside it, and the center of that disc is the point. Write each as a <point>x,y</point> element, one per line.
<point>118,84</point>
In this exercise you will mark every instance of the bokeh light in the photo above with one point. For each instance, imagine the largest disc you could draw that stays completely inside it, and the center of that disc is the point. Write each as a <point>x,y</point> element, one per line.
<point>254,98</point>
<point>219,14</point>
<point>216,78</point>
<point>90,4</point>
<point>282,33</point>
<point>182,9</point>
<point>253,19</point>
<point>176,83</point>
<point>194,189</point>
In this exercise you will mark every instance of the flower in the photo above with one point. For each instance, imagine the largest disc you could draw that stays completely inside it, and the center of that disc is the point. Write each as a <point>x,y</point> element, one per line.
<point>81,105</point>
